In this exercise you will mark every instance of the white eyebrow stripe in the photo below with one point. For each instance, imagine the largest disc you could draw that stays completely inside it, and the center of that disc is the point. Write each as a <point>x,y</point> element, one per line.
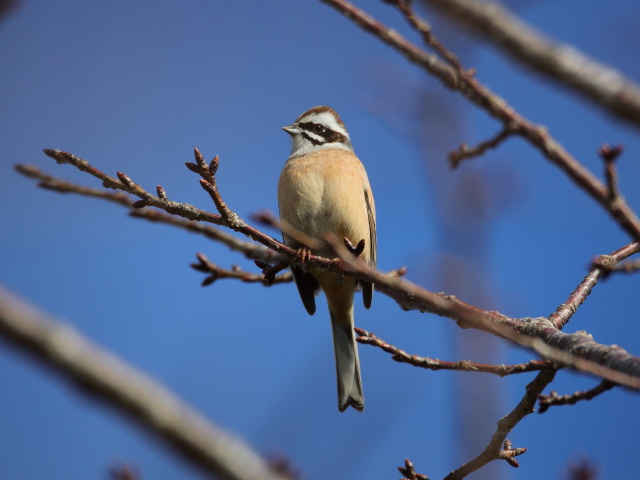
<point>327,119</point>
<point>315,137</point>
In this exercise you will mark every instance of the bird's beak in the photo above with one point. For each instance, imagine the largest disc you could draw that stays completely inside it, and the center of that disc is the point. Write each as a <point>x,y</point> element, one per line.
<point>292,129</point>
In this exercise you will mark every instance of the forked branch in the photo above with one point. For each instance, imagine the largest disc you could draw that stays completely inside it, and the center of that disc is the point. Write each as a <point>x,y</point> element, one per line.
<point>458,79</point>
<point>577,350</point>
<point>494,450</point>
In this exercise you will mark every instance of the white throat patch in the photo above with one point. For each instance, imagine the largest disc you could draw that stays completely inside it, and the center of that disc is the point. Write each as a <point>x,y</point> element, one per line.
<point>302,146</point>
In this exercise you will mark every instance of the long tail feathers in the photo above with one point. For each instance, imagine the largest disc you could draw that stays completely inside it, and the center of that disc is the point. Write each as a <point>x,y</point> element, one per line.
<point>347,364</point>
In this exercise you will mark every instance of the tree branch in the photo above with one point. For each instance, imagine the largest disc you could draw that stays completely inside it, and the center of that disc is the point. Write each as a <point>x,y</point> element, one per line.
<point>102,376</point>
<point>546,401</point>
<point>565,64</point>
<point>180,209</point>
<point>601,267</point>
<point>215,273</point>
<point>624,267</point>
<point>401,356</point>
<point>610,154</point>
<point>464,152</point>
<point>456,78</point>
<point>493,451</point>
<point>250,250</point>
<point>577,350</point>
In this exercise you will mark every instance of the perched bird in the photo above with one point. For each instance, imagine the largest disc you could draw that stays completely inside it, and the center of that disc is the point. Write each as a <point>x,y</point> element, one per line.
<point>323,188</point>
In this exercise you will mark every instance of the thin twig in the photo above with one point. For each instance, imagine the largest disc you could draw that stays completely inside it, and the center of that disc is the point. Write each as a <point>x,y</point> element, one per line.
<point>392,38</point>
<point>464,152</point>
<point>181,209</point>
<point>216,273</point>
<point>401,356</point>
<point>409,472</point>
<point>624,267</point>
<point>610,154</point>
<point>50,182</point>
<point>546,401</point>
<point>210,185</point>
<point>250,250</point>
<point>422,27</point>
<point>269,271</point>
<point>600,267</point>
<point>493,451</point>
<point>266,217</point>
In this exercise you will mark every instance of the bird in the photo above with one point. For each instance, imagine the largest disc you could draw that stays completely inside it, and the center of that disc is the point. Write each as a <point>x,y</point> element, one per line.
<point>324,189</point>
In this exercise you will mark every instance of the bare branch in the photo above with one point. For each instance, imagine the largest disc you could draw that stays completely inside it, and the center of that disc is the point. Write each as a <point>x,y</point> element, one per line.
<point>624,267</point>
<point>208,182</point>
<point>497,107</point>
<point>401,356</point>
<point>428,37</point>
<point>50,182</point>
<point>610,154</point>
<point>182,209</point>
<point>493,451</point>
<point>576,350</point>
<point>465,152</point>
<point>101,375</point>
<point>269,271</point>
<point>250,250</point>
<point>268,218</point>
<point>125,184</point>
<point>600,83</point>
<point>601,267</point>
<point>215,273</point>
<point>546,401</point>
<point>409,472</point>
<point>392,38</point>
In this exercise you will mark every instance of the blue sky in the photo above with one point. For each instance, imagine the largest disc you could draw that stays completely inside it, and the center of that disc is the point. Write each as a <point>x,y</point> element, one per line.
<point>134,86</point>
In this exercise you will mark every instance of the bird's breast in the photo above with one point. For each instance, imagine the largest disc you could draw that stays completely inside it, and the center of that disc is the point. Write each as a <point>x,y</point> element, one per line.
<point>324,192</point>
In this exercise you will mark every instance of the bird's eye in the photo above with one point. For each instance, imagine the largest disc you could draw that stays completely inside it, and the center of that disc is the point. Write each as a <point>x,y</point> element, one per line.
<point>319,128</point>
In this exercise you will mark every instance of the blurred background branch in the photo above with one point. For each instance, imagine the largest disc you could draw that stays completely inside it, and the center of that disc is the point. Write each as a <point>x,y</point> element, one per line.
<point>606,87</point>
<point>102,376</point>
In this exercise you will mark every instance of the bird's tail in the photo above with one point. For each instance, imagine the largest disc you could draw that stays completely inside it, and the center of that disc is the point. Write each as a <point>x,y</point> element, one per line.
<point>347,362</point>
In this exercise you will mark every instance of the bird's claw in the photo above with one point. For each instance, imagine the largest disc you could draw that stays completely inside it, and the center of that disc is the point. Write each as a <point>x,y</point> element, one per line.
<point>356,250</point>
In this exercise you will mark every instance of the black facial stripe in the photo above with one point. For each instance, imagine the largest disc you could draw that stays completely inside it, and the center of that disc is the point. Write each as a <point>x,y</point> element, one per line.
<point>329,136</point>
<point>311,139</point>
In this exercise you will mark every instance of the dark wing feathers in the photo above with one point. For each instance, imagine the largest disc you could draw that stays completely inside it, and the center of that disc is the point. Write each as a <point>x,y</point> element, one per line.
<point>307,288</point>
<point>367,288</point>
